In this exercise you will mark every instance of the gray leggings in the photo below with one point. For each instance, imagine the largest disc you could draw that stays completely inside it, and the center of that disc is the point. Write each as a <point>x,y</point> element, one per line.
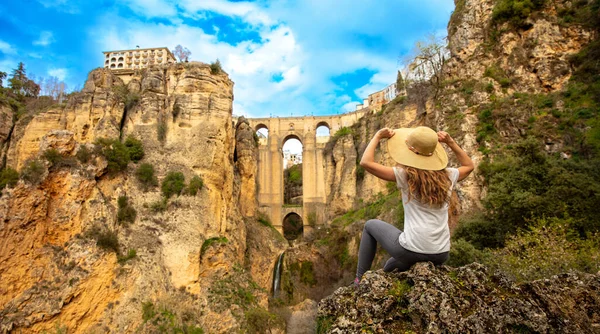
<point>387,235</point>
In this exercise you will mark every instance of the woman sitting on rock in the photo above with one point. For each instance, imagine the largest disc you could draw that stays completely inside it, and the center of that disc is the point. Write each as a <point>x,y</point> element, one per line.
<point>426,185</point>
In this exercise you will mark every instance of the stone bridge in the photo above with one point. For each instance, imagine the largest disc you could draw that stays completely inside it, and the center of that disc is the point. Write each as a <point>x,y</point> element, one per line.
<point>270,165</point>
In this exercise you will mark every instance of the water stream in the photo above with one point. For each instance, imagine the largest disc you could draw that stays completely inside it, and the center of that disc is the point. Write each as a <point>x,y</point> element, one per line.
<point>277,275</point>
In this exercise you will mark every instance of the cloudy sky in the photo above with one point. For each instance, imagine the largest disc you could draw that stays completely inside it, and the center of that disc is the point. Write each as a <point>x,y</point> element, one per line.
<point>286,57</point>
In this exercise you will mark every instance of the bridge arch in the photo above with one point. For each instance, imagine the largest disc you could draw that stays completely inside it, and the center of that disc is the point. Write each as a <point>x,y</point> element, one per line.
<point>293,227</point>
<point>323,129</point>
<point>270,165</point>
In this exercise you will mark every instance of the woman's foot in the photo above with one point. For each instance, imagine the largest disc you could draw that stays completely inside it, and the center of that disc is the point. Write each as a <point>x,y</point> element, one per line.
<point>356,282</point>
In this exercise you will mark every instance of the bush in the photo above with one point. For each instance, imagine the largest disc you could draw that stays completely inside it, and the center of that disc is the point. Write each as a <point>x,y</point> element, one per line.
<point>463,253</point>
<point>124,258</point>
<point>33,171</point>
<point>547,249</point>
<point>515,11</point>
<point>195,185</point>
<point>106,240</point>
<point>8,177</point>
<point>135,148</point>
<point>126,213</point>
<point>215,67</point>
<point>260,320</point>
<point>173,184</point>
<point>115,152</point>
<point>83,154</point>
<point>159,206</point>
<point>53,156</point>
<point>145,174</point>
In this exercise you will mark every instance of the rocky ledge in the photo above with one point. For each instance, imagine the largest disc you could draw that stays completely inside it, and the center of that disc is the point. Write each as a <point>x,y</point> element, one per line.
<point>468,299</point>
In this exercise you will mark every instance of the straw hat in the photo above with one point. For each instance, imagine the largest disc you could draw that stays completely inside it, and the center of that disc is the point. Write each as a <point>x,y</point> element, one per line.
<point>417,147</point>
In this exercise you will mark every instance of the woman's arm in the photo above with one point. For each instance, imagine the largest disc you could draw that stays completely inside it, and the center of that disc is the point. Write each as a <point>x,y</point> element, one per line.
<point>466,164</point>
<point>368,159</point>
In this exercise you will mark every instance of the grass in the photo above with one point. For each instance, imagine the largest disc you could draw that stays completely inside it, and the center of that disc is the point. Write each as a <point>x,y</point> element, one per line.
<point>209,242</point>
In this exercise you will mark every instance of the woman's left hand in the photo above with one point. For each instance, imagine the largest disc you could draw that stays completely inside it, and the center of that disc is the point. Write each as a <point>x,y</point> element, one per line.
<point>385,133</point>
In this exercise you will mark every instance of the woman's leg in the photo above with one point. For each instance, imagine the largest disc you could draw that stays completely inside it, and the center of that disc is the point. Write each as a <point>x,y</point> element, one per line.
<point>375,231</point>
<point>404,259</point>
<point>393,263</point>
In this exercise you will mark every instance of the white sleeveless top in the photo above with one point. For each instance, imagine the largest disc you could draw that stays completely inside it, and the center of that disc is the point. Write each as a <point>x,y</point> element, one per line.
<point>425,228</point>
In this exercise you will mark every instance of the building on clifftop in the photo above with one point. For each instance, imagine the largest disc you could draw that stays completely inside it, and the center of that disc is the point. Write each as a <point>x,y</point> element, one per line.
<point>137,58</point>
<point>125,62</point>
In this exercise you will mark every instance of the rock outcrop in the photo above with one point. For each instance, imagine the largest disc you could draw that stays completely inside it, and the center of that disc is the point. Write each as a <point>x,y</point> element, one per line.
<point>468,299</point>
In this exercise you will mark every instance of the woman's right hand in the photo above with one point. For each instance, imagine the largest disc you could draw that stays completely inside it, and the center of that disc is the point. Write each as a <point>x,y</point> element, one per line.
<point>385,133</point>
<point>444,137</point>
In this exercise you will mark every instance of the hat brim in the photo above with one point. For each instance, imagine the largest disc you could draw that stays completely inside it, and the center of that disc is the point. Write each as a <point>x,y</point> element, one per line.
<point>400,152</point>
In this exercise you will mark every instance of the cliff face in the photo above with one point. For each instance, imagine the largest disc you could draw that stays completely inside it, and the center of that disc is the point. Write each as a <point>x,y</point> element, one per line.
<point>52,268</point>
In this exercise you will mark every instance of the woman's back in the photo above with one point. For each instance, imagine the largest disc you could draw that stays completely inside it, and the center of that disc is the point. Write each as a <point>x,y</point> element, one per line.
<point>425,226</point>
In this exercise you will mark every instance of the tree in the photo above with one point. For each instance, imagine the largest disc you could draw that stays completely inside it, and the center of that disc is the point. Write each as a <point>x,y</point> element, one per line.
<point>423,68</point>
<point>182,53</point>
<point>2,77</point>
<point>399,83</point>
<point>425,63</point>
<point>21,84</point>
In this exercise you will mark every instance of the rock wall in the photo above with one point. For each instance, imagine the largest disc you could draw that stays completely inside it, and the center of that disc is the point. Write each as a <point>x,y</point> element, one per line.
<point>51,268</point>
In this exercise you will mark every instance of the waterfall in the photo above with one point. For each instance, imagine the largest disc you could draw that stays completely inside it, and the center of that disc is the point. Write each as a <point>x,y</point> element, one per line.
<point>277,275</point>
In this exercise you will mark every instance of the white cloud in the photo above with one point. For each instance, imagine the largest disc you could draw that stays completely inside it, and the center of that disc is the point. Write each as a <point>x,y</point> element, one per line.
<point>6,48</point>
<point>60,73</point>
<point>35,55</point>
<point>46,38</point>
<point>378,82</point>
<point>249,11</point>
<point>350,106</point>
<point>152,8</point>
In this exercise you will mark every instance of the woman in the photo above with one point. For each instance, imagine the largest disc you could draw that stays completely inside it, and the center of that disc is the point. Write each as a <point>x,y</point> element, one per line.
<point>426,185</point>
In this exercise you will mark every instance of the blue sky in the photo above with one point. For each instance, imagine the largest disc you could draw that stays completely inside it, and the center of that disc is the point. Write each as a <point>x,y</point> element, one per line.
<point>286,57</point>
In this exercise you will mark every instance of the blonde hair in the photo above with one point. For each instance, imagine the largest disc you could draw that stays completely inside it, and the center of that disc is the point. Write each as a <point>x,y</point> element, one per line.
<point>430,187</point>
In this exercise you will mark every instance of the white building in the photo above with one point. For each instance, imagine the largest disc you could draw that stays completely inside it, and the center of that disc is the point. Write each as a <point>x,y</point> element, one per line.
<point>137,58</point>
<point>290,159</point>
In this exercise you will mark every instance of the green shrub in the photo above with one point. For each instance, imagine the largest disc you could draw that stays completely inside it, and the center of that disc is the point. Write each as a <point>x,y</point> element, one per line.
<point>33,171</point>
<point>307,274</point>
<point>52,156</point>
<point>195,185</point>
<point>83,154</point>
<point>131,253</point>
<point>215,67</point>
<point>135,148</point>
<point>463,253</point>
<point>126,213</point>
<point>209,242</point>
<point>324,324</point>
<point>8,177</point>
<point>159,206</point>
<point>173,184</point>
<point>148,311</point>
<point>515,12</point>
<point>260,320</point>
<point>106,240</point>
<point>145,174</point>
<point>548,248</point>
<point>343,131</point>
<point>115,152</point>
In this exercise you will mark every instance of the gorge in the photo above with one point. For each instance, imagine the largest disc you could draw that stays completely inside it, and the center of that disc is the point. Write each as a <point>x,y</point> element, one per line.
<point>92,242</point>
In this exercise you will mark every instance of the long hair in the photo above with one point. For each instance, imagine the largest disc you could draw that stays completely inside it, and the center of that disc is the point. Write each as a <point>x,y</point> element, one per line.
<point>430,187</point>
